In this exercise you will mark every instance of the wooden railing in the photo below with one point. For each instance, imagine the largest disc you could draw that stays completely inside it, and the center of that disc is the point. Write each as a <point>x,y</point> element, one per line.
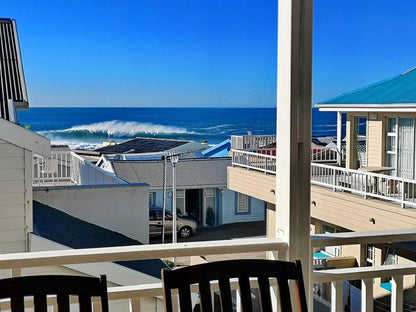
<point>254,161</point>
<point>68,167</point>
<point>17,261</point>
<point>134,293</point>
<point>366,274</point>
<point>367,184</point>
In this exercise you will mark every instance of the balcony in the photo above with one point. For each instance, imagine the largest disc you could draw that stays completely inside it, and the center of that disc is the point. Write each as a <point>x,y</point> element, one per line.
<point>260,158</point>
<point>131,296</point>
<point>64,167</point>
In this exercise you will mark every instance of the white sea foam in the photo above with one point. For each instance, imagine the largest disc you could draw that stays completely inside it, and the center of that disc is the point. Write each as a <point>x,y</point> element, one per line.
<point>125,128</point>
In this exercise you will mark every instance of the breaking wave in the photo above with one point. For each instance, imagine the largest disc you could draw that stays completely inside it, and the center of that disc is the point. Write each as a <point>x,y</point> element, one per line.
<point>121,129</point>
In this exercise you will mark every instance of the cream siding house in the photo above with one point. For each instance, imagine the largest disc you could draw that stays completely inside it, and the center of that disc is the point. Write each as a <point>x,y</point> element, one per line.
<point>358,193</point>
<point>17,146</point>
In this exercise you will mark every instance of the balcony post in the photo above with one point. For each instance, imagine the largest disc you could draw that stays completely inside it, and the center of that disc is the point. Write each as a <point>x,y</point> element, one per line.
<point>367,295</point>
<point>293,139</point>
<point>397,293</point>
<point>339,138</point>
<point>336,296</point>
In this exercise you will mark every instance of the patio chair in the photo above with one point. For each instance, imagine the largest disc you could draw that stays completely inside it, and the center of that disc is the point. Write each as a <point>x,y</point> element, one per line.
<point>63,286</point>
<point>264,272</point>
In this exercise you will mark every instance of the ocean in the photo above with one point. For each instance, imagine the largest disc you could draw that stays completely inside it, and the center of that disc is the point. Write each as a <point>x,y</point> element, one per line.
<point>88,128</point>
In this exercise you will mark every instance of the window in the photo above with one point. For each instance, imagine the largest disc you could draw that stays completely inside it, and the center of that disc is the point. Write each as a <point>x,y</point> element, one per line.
<point>242,203</point>
<point>370,255</point>
<point>151,199</point>
<point>391,143</point>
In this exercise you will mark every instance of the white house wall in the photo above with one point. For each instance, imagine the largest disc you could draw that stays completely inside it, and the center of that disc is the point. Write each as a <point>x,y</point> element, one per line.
<point>12,198</point>
<point>228,212</point>
<point>123,209</point>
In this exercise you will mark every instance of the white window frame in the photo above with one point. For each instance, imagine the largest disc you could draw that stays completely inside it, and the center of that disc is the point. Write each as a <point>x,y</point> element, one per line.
<point>396,143</point>
<point>151,199</point>
<point>242,203</point>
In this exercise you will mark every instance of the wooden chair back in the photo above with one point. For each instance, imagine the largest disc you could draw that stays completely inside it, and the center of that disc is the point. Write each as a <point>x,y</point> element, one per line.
<point>63,286</point>
<point>222,271</point>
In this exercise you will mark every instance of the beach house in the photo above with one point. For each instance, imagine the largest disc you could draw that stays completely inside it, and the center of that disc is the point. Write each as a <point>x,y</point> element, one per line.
<point>352,188</point>
<point>201,188</point>
<point>17,145</point>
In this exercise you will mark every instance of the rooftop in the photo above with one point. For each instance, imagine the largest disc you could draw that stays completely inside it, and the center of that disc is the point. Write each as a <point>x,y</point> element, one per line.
<point>398,90</point>
<point>75,233</point>
<point>141,145</point>
<point>190,173</point>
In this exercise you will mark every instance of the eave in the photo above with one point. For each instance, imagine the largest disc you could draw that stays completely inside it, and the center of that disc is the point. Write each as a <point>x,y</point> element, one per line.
<point>365,107</point>
<point>24,138</point>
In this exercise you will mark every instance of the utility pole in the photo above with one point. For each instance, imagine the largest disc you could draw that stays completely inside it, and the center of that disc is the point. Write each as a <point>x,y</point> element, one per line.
<point>174,160</point>
<point>164,198</point>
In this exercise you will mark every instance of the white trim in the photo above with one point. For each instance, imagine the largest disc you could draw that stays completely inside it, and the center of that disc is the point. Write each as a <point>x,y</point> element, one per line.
<point>391,107</point>
<point>24,138</point>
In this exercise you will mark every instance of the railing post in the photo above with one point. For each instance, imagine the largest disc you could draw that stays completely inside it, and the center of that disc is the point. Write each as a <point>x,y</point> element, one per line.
<point>334,180</point>
<point>136,304</point>
<point>403,192</point>
<point>16,272</point>
<point>397,293</point>
<point>365,186</point>
<point>367,295</point>
<point>336,296</point>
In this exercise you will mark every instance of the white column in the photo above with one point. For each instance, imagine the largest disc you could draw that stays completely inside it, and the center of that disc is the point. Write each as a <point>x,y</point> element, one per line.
<point>294,78</point>
<point>367,295</point>
<point>339,137</point>
<point>397,293</point>
<point>336,296</point>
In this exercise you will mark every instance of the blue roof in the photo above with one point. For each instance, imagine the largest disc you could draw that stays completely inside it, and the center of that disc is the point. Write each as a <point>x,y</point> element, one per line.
<point>64,229</point>
<point>400,89</point>
<point>219,150</point>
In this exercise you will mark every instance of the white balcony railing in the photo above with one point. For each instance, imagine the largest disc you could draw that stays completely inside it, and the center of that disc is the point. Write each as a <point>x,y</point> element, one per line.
<point>254,161</point>
<point>18,261</point>
<point>252,142</point>
<point>367,184</point>
<point>67,167</point>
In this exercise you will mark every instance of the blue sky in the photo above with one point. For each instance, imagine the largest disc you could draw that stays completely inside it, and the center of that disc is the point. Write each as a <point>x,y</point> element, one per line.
<point>199,53</point>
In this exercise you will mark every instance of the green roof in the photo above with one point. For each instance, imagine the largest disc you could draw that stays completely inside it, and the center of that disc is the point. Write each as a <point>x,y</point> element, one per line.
<point>400,89</point>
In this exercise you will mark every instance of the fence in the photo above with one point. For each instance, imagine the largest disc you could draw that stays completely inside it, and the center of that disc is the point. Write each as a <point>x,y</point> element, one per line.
<point>68,167</point>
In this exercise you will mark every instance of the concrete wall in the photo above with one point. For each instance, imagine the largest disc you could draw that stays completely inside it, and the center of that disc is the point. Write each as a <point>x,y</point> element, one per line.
<point>15,191</point>
<point>120,208</point>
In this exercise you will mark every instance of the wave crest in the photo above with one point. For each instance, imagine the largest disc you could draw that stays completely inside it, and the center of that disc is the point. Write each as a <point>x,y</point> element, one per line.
<point>116,128</point>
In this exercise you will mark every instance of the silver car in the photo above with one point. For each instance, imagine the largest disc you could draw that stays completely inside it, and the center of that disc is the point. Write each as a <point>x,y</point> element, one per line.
<point>185,226</point>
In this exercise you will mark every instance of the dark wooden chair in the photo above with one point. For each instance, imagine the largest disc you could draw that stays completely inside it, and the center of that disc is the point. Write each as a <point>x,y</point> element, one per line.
<point>262,270</point>
<point>63,286</point>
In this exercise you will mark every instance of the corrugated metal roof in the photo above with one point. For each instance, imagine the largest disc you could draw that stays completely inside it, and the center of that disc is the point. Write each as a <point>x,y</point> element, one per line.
<point>190,173</point>
<point>12,82</point>
<point>400,89</point>
<point>67,230</point>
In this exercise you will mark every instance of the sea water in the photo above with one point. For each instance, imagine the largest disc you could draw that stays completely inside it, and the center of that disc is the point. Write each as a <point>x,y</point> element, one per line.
<point>88,127</point>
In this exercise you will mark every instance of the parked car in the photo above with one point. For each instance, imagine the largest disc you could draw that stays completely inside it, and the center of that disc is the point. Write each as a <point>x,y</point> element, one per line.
<point>184,225</point>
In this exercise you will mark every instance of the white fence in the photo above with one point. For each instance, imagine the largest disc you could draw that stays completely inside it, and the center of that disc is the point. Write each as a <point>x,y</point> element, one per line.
<point>367,184</point>
<point>252,142</point>
<point>254,161</point>
<point>68,167</point>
